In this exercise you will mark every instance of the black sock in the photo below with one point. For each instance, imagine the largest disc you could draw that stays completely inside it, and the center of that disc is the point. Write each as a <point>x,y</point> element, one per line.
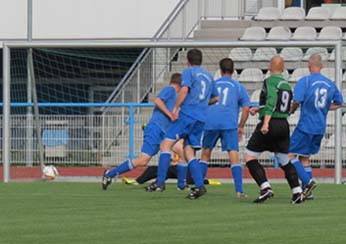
<point>257,171</point>
<point>149,174</point>
<point>291,175</point>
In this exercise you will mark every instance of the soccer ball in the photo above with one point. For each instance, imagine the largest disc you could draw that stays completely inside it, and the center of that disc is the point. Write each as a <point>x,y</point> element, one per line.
<point>50,172</point>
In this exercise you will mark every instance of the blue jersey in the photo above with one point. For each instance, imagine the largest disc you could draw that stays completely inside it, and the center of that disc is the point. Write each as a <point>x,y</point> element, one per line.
<point>201,85</point>
<point>315,93</point>
<point>223,115</point>
<point>168,95</point>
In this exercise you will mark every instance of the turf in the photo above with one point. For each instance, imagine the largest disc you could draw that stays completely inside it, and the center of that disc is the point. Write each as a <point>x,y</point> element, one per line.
<point>59,212</point>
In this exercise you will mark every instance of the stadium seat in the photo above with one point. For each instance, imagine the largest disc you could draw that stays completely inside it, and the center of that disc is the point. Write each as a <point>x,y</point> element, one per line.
<point>241,54</point>
<point>304,33</point>
<point>264,54</point>
<point>299,73</point>
<point>344,80</point>
<point>254,98</point>
<point>268,13</point>
<point>251,75</point>
<point>330,33</point>
<point>318,13</point>
<point>328,72</point>
<point>293,13</point>
<point>339,14</point>
<point>343,55</point>
<point>285,74</point>
<point>254,33</point>
<point>316,50</point>
<point>279,33</point>
<point>292,53</point>
<point>344,38</point>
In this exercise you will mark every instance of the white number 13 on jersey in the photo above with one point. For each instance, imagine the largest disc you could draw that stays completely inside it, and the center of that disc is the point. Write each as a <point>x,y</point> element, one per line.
<point>320,97</point>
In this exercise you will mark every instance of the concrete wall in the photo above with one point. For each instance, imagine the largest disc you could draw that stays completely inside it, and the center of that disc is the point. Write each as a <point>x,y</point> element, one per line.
<point>79,19</point>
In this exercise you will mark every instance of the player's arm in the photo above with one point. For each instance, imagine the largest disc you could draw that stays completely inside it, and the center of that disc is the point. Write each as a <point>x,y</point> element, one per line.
<point>160,104</point>
<point>213,100</point>
<point>180,99</point>
<point>335,106</point>
<point>294,107</point>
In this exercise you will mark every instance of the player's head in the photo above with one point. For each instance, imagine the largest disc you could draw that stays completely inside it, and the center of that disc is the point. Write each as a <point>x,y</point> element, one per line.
<point>276,65</point>
<point>226,66</point>
<point>175,79</point>
<point>315,63</point>
<point>194,57</point>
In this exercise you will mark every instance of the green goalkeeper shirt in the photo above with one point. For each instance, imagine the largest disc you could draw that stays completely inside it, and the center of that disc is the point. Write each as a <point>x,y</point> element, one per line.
<point>275,97</point>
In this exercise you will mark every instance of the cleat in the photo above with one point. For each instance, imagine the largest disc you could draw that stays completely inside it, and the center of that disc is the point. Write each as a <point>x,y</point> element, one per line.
<point>128,181</point>
<point>186,187</point>
<point>196,193</point>
<point>155,187</point>
<point>297,198</point>
<point>308,189</point>
<point>106,181</point>
<point>310,196</point>
<point>264,195</point>
<point>214,182</point>
<point>241,195</point>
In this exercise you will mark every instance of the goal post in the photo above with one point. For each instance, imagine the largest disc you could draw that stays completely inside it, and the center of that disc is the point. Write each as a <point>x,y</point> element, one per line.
<point>9,46</point>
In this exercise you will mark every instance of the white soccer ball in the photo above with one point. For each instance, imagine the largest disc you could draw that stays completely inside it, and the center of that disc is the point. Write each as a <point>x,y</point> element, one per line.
<point>50,172</point>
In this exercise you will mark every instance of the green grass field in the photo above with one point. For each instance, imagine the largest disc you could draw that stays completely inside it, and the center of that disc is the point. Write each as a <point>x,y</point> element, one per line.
<point>58,212</point>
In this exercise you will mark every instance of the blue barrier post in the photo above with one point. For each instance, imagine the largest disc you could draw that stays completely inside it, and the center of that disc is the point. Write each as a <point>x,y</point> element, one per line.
<point>131,122</point>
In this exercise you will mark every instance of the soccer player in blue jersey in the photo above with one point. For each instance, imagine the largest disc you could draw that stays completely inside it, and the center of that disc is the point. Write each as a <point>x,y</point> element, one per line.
<point>222,123</point>
<point>190,113</point>
<point>153,133</point>
<point>316,95</point>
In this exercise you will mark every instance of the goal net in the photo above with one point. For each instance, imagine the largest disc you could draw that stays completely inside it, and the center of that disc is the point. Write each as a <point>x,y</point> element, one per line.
<point>80,107</point>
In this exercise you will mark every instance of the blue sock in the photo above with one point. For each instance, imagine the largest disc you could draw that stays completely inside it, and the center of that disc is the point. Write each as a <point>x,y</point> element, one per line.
<point>303,176</point>
<point>120,169</point>
<point>237,172</point>
<point>204,168</point>
<point>164,162</point>
<point>308,170</point>
<point>181,174</point>
<point>195,169</point>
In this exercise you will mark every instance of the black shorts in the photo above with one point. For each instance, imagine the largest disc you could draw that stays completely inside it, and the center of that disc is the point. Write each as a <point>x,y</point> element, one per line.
<point>276,140</point>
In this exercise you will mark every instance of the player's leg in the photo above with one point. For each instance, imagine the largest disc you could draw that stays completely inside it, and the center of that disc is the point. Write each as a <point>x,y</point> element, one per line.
<point>257,144</point>
<point>291,177</point>
<point>210,137</point>
<point>181,165</point>
<point>300,145</point>
<point>229,142</point>
<point>149,174</point>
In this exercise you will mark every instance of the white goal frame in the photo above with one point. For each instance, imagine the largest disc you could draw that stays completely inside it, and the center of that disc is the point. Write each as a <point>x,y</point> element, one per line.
<point>6,157</point>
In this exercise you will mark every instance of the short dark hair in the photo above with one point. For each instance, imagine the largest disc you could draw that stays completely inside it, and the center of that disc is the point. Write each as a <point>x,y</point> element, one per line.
<point>226,66</point>
<point>176,79</point>
<point>194,56</point>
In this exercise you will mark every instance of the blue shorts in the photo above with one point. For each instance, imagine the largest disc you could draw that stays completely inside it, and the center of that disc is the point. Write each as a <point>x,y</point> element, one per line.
<point>188,128</point>
<point>153,136</point>
<point>229,139</point>
<point>304,144</point>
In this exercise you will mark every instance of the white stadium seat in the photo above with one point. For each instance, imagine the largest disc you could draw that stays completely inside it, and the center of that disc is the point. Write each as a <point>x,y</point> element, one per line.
<point>299,73</point>
<point>343,54</point>
<point>279,33</point>
<point>344,38</point>
<point>241,54</point>
<point>316,50</point>
<point>251,75</point>
<point>330,33</point>
<point>304,33</point>
<point>264,54</point>
<point>344,80</point>
<point>254,33</point>
<point>292,53</point>
<point>254,98</point>
<point>268,13</point>
<point>293,13</point>
<point>328,72</point>
<point>339,14</point>
<point>318,13</point>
